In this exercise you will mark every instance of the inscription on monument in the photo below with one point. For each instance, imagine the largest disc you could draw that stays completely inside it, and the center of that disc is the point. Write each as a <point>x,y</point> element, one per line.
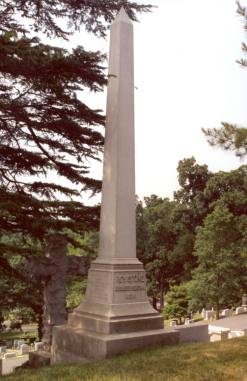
<point>130,282</point>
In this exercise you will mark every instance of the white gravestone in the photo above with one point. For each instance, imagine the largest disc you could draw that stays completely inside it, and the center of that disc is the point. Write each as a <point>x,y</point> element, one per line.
<point>24,349</point>
<point>19,343</point>
<point>227,312</point>
<point>38,346</point>
<point>209,315</point>
<point>240,310</point>
<point>9,355</point>
<point>3,350</point>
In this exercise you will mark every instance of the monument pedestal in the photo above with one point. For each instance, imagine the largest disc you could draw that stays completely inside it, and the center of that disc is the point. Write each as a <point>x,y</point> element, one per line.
<point>116,316</point>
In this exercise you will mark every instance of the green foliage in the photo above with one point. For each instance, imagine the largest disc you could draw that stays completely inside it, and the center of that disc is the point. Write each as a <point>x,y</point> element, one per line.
<point>31,336</point>
<point>87,245</point>
<point>177,303</point>
<point>88,248</point>
<point>75,292</point>
<point>229,137</point>
<point>163,243</point>
<point>192,179</point>
<point>95,17</point>
<point>21,313</point>
<point>221,275</point>
<point>166,234</point>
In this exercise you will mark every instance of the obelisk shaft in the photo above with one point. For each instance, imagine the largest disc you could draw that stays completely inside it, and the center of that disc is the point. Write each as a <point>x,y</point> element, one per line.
<point>118,228</point>
<point>115,315</point>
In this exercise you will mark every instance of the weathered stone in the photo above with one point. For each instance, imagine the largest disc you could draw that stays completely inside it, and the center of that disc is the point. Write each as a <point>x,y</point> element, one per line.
<point>227,312</point>
<point>24,349</point>
<point>78,345</point>
<point>209,315</point>
<point>19,343</point>
<point>240,310</point>
<point>8,365</point>
<point>38,346</point>
<point>3,350</point>
<point>193,332</point>
<point>244,300</point>
<point>9,355</point>
<point>116,315</point>
<point>173,323</point>
<point>218,333</point>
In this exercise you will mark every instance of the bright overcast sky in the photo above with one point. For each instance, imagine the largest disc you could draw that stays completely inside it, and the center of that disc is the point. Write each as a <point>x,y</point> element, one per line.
<point>187,78</point>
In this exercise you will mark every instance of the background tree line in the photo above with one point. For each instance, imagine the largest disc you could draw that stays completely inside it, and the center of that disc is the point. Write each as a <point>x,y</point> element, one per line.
<point>195,245</point>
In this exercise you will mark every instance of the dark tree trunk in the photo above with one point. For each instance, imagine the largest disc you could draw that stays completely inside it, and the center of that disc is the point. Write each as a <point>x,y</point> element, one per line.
<point>162,289</point>
<point>154,302</point>
<point>40,325</point>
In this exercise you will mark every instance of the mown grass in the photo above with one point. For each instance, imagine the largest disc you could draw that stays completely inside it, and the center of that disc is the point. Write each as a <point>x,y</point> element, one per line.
<point>221,361</point>
<point>17,335</point>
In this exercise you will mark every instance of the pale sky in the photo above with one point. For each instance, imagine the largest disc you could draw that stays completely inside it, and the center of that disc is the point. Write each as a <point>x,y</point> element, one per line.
<point>187,78</point>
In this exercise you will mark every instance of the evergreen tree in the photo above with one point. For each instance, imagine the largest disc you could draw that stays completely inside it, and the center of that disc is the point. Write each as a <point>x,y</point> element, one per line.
<point>176,303</point>
<point>48,136</point>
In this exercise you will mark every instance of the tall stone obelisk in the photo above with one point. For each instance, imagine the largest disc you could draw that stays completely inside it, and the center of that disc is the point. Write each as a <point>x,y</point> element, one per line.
<point>116,315</point>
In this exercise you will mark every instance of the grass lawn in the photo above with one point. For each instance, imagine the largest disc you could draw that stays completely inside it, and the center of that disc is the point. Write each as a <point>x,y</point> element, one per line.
<point>29,331</point>
<point>220,361</point>
<point>17,335</point>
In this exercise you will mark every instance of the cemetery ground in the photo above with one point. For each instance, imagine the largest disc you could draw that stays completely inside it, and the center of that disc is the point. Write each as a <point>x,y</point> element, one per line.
<point>221,361</point>
<point>29,331</point>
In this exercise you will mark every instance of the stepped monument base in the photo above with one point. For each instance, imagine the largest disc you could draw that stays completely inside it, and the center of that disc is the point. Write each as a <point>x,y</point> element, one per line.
<point>115,318</point>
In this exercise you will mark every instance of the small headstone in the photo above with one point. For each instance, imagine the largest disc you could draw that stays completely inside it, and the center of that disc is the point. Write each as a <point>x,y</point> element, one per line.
<point>38,346</point>
<point>209,315</point>
<point>240,310</point>
<point>3,350</point>
<point>173,323</point>
<point>9,355</point>
<point>244,300</point>
<point>203,313</point>
<point>19,343</point>
<point>227,312</point>
<point>24,349</point>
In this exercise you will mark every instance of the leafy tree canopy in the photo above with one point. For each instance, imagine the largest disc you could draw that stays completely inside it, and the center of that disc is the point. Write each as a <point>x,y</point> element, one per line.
<point>220,277</point>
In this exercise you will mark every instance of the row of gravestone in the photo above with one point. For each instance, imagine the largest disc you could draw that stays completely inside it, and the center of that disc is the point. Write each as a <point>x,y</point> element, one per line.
<point>210,314</point>
<point>20,347</point>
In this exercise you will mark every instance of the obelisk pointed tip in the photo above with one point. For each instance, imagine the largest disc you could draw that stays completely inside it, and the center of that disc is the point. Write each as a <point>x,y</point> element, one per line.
<point>122,16</point>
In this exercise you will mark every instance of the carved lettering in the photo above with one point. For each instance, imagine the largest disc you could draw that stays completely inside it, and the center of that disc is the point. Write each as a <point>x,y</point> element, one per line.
<point>131,278</point>
<point>130,282</point>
